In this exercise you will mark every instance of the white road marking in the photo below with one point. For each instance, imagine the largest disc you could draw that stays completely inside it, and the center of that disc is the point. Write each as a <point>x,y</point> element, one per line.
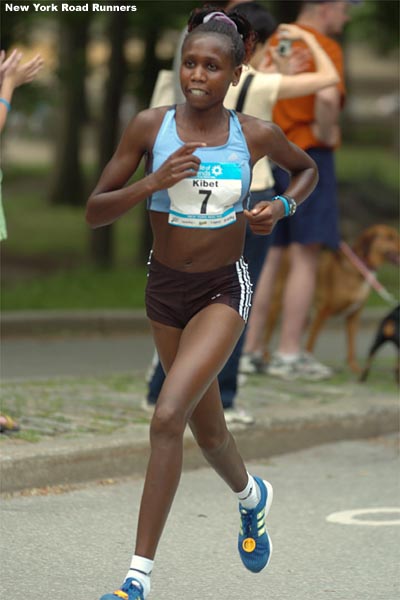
<point>349,517</point>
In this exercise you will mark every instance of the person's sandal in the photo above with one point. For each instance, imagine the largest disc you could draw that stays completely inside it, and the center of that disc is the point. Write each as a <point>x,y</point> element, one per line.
<point>8,425</point>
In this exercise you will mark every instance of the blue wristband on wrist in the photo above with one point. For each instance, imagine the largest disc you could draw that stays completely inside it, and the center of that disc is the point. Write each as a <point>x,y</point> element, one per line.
<point>285,204</point>
<point>6,103</point>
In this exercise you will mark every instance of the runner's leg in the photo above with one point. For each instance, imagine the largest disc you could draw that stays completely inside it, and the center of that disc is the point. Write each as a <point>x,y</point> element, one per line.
<point>192,359</point>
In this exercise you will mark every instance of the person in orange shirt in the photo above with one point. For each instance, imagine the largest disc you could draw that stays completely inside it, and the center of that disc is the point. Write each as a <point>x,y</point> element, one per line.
<point>312,123</point>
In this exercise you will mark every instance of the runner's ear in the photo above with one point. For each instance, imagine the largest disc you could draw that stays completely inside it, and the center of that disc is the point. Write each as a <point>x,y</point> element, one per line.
<point>236,75</point>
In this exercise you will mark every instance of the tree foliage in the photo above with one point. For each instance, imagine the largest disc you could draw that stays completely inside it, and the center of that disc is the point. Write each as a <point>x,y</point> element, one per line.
<point>377,22</point>
<point>374,20</point>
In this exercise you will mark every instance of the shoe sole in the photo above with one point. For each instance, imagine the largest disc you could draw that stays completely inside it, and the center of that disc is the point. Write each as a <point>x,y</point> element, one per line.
<point>284,376</point>
<point>270,497</point>
<point>237,421</point>
<point>314,377</point>
<point>296,376</point>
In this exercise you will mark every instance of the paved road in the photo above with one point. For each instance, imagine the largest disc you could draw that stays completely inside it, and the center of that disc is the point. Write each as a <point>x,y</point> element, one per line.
<point>74,355</point>
<point>77,545</point>
<point>92,355</point>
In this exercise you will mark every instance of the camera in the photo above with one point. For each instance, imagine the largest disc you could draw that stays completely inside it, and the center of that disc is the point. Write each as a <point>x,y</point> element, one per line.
<point>285,47</point>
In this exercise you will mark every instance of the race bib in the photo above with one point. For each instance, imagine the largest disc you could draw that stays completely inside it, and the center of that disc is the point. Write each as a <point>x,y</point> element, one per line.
<point>207,199</point>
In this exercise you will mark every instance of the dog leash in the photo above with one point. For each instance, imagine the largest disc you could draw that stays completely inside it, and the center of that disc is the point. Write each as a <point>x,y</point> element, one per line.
<point>368,275</point>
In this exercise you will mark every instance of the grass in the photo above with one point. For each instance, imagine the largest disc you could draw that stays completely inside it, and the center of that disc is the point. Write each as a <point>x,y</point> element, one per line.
<point>381,378</point>
<point>59,232</point>
<point>50,251</point>
<point>46,256</point>
<point>80,288</point>
<point>365,163</point>
<point>69,407</point>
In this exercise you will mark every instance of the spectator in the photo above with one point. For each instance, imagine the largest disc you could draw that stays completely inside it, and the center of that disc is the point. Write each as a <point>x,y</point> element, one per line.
<point>312,122</point>
<point>227,379</point>
<point>12,75</point>
<point>261,95</point>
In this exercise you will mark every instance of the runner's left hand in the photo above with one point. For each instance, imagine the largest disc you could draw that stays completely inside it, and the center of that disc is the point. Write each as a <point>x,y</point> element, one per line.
<point>263,216</point>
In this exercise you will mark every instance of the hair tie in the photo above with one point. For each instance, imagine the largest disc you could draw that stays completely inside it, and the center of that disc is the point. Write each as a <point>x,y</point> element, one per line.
<point>219,16</point>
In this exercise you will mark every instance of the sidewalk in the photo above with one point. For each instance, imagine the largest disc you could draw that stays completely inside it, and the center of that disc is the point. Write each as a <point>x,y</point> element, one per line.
<point>74,447</point>
<point>76,429</point>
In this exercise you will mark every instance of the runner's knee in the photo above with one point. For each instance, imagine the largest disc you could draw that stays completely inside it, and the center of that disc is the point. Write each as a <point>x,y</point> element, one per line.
<point>168,422</point>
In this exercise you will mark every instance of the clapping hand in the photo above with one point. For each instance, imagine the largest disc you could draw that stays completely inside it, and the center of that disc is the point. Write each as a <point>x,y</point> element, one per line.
<point>17,73</point>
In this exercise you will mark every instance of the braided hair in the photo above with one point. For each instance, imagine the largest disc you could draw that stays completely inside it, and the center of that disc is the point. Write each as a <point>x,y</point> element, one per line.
<point>233,25</point>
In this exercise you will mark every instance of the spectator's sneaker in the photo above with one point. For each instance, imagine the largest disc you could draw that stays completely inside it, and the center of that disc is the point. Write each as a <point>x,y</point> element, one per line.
<point>147,406</point>
<point>152,367</point>
<point>304,367</point>
<point>238,415</point>
<point>277,367</point>
<point>254,543</point>
<point>241,379</point>
<point>251,363</point>
<point>308,364</point>
<point>131,589</point>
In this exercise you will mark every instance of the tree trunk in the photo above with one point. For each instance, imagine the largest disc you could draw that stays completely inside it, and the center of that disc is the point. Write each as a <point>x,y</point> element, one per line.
<point>149,75</point>
<point>67,186</point>
<point>102,240</point>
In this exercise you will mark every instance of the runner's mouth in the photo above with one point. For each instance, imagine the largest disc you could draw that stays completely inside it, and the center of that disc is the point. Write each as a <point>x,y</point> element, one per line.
<point>197,92</point>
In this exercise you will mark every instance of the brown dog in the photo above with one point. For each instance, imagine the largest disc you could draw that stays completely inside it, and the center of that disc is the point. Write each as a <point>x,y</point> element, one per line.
<point>341,288</point>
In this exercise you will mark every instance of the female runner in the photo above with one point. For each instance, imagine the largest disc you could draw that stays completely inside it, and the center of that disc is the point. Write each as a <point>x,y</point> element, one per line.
<point>199,160</point>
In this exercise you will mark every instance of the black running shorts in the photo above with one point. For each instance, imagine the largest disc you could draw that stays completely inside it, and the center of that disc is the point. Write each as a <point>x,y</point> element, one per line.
<point>174,297</point>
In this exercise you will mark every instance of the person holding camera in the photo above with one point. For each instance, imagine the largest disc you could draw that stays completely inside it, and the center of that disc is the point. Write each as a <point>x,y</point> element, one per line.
<point>312,123</point>
<point>256,94</point>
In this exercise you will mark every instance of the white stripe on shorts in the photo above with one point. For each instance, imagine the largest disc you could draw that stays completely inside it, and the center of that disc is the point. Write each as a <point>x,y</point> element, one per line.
<point>245,287</point>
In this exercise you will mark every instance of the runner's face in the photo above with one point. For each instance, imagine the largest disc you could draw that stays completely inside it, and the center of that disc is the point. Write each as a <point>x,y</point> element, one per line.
<point>207,69</point>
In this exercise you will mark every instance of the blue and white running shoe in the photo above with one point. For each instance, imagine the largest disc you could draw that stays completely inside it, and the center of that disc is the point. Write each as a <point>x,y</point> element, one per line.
<point>131,589</point>
<point>254,543</point>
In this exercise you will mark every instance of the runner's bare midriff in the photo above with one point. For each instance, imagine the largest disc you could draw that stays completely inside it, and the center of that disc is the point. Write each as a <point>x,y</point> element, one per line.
<point>196,250</point>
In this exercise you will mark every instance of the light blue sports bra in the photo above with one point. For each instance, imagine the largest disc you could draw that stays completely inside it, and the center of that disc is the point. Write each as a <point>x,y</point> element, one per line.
<point>217,192</point>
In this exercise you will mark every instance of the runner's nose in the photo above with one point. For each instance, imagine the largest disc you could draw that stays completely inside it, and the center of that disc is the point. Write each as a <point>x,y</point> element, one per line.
<point>198,74</point>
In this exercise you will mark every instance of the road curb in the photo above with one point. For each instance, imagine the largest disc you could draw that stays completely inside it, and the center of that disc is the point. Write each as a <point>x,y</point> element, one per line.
<point>36,322</point>
<point>102,457</point>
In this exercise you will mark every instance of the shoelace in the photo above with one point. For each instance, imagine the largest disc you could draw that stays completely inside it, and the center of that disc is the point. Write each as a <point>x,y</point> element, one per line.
<point>127,586</point>
<point>247,519</point>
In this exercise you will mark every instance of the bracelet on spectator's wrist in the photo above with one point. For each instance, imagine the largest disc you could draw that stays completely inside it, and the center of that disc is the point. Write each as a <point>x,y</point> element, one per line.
<point>6,103</point>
